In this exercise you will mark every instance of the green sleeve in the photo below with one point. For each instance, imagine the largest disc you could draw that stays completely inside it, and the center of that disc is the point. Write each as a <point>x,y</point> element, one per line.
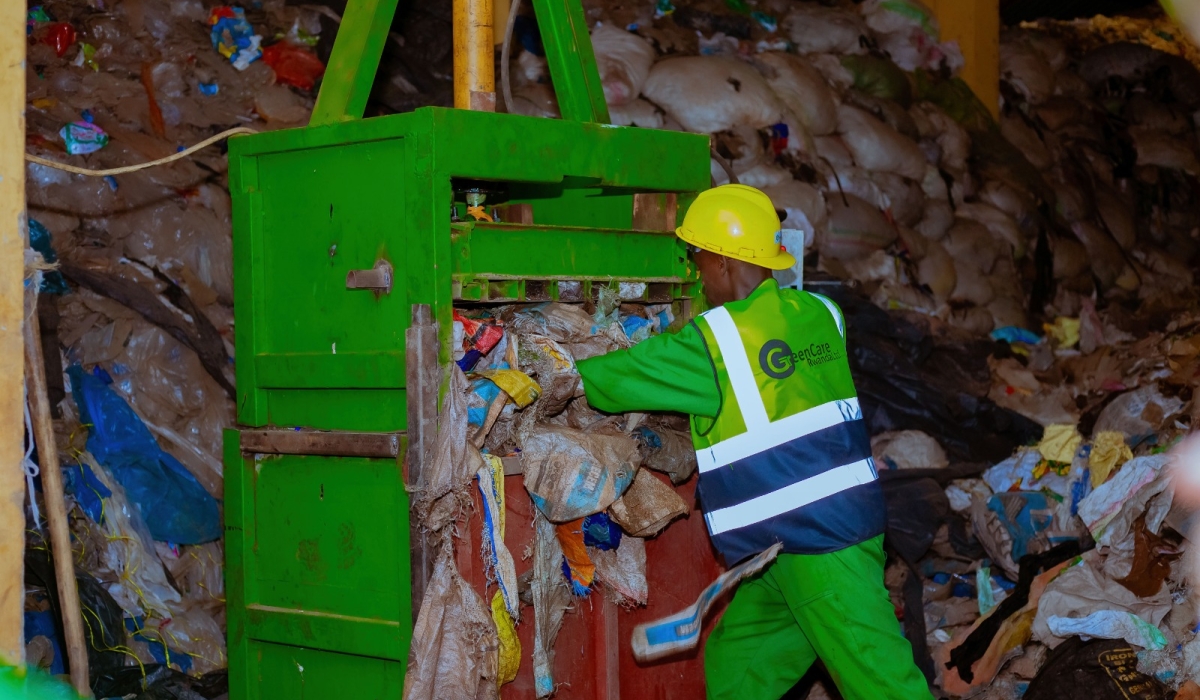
<point>669,372</point>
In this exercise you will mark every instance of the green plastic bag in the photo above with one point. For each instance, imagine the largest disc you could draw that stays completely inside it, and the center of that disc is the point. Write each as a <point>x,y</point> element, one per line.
<point>21,683</point>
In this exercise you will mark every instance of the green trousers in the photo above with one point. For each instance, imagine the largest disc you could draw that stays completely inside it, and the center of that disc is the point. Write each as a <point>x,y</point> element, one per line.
<point>803,607</point>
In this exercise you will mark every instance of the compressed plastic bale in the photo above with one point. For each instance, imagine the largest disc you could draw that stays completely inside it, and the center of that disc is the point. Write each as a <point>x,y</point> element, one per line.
<point>572,474</point>
<point>971,242</point>
<point>815,28</point>
<point>908,449</point>
<point>623,60</point>
<point>879,77</point>
<point>830,67</point>
<point>937,220</point>
<point>832,151</point>
<point>877,146</point>
<point>706,94</point>
<point>1008,199</point>
<point>647,507</point>
<point>1007,311</point>
<point>1106,259</point>
<point>972,285</point>
<point>856,229</point>
<point>1117,216</point>
<point>802,202</point>
<point>637,112</point>
<point>1070,258</point>
<point>1163,149</point>
<point>876,267</point>
<point>1027,71</point>
<point>535,100</point>
<point>974,319</point>
<point>802,89</point>
<point>1001,225</point>
<point>952,140</point>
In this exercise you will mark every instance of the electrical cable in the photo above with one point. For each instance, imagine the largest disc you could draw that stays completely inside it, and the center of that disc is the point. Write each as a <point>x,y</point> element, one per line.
<point>141,166</point>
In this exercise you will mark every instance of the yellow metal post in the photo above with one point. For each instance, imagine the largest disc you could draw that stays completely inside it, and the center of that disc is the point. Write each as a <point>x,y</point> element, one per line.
<point>500,10</point>
<point>474,56</point>
<point>12,299</point>
<point>975,25</point>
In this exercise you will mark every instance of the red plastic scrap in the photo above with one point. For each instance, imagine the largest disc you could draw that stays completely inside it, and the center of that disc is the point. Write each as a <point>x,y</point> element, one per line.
<point>294,65</point>
<point>480,334</point>
<point>61,36</point>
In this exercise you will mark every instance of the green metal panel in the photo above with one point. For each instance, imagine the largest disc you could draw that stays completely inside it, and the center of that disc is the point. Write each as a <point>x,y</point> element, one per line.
<point>572,62</point>
<point>317,559</point>
<point>355,58</point>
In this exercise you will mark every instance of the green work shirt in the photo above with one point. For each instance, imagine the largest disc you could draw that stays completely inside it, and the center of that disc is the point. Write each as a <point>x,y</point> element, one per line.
<point>668,372</point>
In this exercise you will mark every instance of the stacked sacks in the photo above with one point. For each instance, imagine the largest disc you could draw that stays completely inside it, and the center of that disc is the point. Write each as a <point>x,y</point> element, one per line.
<point>1021,216</point>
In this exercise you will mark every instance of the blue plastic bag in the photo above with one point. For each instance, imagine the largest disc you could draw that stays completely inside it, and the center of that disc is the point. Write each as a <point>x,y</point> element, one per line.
<point>174,505</point>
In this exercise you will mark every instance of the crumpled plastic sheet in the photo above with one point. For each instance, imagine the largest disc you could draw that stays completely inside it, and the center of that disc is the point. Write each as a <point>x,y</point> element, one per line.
<point>176,508</point>
<point>647,507</point>
<point>623,571</point>
<point>551,598</point>
<point>1084,589</point>
<point>1109,624</point>
<point>454,652</point>
<point>1109,511</point>
<point>453,462</point>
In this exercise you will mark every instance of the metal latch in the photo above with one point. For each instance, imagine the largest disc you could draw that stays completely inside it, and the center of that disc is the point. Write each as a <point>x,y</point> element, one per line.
<point>378,278</point>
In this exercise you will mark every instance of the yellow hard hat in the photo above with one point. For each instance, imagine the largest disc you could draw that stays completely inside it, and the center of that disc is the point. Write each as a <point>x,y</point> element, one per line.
<point>738,222</point>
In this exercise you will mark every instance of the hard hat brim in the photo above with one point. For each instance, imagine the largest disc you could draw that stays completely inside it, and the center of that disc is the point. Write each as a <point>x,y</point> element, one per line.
<point>782,261</point>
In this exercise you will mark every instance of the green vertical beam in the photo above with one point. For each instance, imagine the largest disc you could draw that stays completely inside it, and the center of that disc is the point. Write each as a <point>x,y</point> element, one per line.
<point>572,62</point>
<point>355,58</point>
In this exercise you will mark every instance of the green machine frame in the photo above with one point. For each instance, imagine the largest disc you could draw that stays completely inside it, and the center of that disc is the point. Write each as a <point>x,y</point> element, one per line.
<point>351,247</point>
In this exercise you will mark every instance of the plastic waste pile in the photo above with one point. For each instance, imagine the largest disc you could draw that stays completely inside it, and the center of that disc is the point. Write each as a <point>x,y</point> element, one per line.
<point>599,485</point>
<point>138,318</point>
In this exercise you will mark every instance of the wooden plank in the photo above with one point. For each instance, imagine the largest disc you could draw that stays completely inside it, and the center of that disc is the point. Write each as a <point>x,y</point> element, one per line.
<point>423,377</point>
<point>325,444</point>
<point>56,505</point>
<point>515,213</point>
<point>12,266</point>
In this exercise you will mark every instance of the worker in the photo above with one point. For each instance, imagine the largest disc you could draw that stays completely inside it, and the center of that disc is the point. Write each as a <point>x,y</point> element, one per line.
<point>784,456</point>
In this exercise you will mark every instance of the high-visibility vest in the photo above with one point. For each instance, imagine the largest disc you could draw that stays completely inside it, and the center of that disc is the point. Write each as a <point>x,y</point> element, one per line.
<point>788,458</point>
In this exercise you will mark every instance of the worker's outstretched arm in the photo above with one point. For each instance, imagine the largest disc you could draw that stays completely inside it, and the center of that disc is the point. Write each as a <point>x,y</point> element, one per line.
<point>669,372</point>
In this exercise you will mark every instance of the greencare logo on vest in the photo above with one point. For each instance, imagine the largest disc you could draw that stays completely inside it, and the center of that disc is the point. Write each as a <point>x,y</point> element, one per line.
<point>779,361</point>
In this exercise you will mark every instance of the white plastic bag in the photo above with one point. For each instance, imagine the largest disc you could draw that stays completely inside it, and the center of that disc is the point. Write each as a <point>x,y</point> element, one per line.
<point>707,94</point>
<point>815,28</point>
<point>802,90</point>
<point>624,61</point>
<point>877,146</point>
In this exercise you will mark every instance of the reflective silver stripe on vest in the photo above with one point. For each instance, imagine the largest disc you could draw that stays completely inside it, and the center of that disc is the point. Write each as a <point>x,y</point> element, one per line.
<point>761,434</point>
<point>791,497</point>
<point>837,317</point>
<point>764,437</point>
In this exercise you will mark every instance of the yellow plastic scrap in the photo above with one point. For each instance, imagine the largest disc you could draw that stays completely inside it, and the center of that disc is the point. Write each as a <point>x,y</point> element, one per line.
<point>510,644</point>
<point>1109,452</point>
<point>518,385</point>
<point>1060,443</point>
<point>1064,330</point>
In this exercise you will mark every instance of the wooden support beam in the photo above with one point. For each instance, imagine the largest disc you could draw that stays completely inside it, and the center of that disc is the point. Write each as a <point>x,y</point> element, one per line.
<point>975,25</point>
<point>56,505</point>
<point>12,372</point>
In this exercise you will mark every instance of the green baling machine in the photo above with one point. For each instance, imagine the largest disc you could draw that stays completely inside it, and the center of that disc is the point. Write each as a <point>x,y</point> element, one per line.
<point>353,240</point>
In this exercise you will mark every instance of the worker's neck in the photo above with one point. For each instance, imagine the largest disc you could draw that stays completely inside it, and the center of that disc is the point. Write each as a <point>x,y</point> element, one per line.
<point>747,278</point>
